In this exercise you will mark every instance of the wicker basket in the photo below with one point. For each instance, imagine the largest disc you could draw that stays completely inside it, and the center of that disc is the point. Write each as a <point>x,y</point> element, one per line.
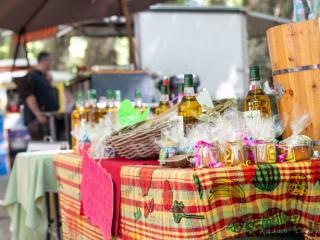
<point>138,141</point>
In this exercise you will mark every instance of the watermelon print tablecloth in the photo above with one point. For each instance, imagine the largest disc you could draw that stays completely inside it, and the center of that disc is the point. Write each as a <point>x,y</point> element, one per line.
<point>199,203</point>
<point>162,203</point>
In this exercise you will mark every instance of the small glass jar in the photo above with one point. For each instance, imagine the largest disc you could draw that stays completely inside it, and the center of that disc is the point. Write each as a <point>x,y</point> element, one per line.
<point>232,153</point>
<point>209,155</point>
<point>316,149</point>
<point>261,153</point>
<point>298,148</point>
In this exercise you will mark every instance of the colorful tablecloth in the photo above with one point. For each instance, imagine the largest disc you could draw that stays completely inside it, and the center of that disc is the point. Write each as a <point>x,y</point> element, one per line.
<point>162,203</point>
<point>31,177</point>
<point>223,203</point>
<point>69,173</point>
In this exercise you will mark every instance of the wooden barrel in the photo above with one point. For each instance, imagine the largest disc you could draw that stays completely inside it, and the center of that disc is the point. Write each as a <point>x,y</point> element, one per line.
<point>294,50</point>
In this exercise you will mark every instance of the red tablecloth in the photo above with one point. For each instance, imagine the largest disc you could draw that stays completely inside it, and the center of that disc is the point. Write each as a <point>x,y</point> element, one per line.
<point>113,166</point>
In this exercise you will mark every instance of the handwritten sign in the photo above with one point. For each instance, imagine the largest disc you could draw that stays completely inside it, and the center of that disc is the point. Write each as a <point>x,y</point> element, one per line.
<point>96,195</point>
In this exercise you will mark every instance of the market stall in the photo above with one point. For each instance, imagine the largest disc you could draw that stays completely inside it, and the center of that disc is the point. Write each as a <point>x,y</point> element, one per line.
<point>219,173</point>
<point>192,168</point>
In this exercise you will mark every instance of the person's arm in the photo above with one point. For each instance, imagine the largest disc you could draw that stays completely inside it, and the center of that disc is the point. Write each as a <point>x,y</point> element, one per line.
<point>32,103</point>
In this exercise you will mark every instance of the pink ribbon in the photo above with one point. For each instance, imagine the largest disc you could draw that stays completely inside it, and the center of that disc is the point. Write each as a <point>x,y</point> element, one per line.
<point>198,159</point>
<point>282,156</point>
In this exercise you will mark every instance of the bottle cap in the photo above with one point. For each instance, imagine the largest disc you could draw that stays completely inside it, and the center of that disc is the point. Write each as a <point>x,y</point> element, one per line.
<point>92,94</point>
<point>118,95</point>
<point>188,80</point>
<point>180,88</point>
<point>164,89</point>
<point>254,73</point>
<point>137,93</point>
<point>110,94</point>
<point>165,81</point>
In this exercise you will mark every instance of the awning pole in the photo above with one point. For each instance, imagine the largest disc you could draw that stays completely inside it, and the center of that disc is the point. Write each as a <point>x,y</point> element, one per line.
<point>26,49</point>
<point>16,51</point>
<point>22,32</point>
<point>126,14</point>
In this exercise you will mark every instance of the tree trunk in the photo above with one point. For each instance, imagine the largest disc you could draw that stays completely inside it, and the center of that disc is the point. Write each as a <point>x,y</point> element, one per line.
<point>58,47</point>
<point>100,51</point>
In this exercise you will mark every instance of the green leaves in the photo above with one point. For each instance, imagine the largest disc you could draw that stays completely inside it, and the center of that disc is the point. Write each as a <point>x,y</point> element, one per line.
<point>198,185</point>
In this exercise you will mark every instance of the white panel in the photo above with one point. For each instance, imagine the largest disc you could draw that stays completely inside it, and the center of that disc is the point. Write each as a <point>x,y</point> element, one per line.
<point>208,44</point>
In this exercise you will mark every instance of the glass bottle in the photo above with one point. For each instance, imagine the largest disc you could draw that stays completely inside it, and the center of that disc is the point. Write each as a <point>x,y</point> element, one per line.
<point>118,98</point>
<point>111,108</point>
<point>164,98</point>
<point>189,108</point>
<point>102,106</point>
<point>92,111</point>
<point>256,104</point>
<point>77,115</point>
<point>138,104</point>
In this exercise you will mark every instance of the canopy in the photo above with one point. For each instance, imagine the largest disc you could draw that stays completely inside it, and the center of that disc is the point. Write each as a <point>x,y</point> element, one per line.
<point>29,15</point>
<point>22,16</point>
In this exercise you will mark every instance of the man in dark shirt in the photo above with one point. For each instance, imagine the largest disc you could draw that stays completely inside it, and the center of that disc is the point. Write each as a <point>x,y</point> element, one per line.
<point>38,97</point>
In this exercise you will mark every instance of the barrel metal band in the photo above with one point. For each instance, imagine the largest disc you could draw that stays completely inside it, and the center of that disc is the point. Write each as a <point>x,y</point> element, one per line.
<point>295,69</point>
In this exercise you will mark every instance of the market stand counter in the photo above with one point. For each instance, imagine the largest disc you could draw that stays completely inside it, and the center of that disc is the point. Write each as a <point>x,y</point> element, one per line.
<point>215,203</point>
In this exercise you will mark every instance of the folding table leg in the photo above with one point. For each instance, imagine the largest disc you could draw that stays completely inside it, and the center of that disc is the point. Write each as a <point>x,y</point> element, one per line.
<point>57,215</point>
<point>47,200</point>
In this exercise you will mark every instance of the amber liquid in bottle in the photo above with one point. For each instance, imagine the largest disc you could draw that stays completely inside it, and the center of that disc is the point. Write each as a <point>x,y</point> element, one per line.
<point>164,98</point>
<point>138,104</point>
<point>91,109</point>
<point>189,108</point>
<point>102,107</point>
<point>256,103</point>
<point>77,115</point>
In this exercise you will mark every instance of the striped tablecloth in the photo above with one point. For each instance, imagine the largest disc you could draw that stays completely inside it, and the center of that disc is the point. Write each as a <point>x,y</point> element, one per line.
<point>74,226</point>
<point>223,203</point>
<point>161,203</point>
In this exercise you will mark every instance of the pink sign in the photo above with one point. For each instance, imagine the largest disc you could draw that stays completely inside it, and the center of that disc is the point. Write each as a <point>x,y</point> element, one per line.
<point>96,195</point>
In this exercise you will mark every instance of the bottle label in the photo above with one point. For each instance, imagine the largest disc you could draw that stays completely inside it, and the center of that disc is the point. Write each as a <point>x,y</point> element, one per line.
<point>188,124</point>
<point>251,115</point>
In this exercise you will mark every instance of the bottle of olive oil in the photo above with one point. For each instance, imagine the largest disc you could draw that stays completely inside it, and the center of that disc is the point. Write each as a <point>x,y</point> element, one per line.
<point>138,104</point>
<point>189,108</point>
<point>164,98</point>
<point>118,98</point>
<point>77,115</point>
<point>111,109</point>
<point>91,109</point>
<point>102,106</point>
<point>256,104</point>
